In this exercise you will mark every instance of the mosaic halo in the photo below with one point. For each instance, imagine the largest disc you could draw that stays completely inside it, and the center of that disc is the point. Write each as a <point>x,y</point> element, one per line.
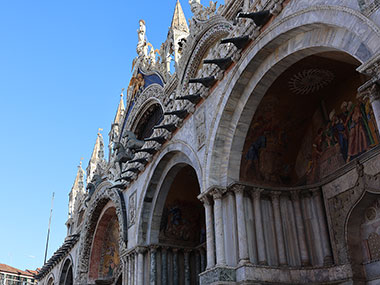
<point>310,80</point>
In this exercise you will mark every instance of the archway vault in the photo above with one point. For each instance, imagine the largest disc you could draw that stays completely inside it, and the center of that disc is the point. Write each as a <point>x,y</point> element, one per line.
<point>100,199</point>
<point>175,155</point>
<point>295,36</point>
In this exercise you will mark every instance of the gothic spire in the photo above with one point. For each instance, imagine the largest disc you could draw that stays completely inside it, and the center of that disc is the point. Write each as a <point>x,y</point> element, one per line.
<point>96,157</point>
<point>179,20</point>
<point>120,108</point>
<point>77,190</point>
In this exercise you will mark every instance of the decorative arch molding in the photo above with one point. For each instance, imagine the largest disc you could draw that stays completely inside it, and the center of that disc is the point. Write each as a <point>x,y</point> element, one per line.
<point>67,265</point>
<point>207,35</point>
<point>369,6</point>
<point>153,94</point>
<point>176,153</point>
<point>49,278</point>
<point>290,39</point>
<point>99,200</point>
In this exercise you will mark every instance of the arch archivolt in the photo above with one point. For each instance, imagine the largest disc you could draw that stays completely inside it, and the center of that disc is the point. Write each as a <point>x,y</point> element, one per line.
<point>207,35</point>
<point>153,94</point>
<point>100,199</point>
<point>171,159</point>
<point>50,277</point>
<point>286,41</point>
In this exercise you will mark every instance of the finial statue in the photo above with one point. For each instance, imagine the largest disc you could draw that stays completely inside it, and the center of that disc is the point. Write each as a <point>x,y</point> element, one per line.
<point>122,90</point>
<point>142,48</point>
<point>99,130</point>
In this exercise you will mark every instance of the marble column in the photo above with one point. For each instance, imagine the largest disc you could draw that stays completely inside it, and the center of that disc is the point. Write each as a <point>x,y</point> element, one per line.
<point>140,265</point>
<point>153,265</point>
<point>259,227</point>
<point>164,265</point>
<point>175,267</point>
<point>203,259</point>
<point>210,239</point>
<point>313,232</point>
<point>219,231</point>
<point>300,228</point>
<point>186,254</point>
<point>198,269</point>
<point>130,269</point>
<point>241,224</point>
<point>135,270</point>
<point>278,227</point>
<point>327,255</point>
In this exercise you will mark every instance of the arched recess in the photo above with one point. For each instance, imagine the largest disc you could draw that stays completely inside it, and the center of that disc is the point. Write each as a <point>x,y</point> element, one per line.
<point>363,237</point>
<point>173,220</point>
<point>152,96</point>
<point>281,45</point>
<point>50,280</point>
<point>114,200</point>
<point>66,277</point>
<point>173,153</point>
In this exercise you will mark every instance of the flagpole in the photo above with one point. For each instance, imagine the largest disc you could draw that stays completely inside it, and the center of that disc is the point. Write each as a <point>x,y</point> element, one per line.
<point>48,233</point>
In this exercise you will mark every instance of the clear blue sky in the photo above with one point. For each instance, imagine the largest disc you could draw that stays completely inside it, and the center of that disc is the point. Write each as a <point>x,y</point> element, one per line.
<point>62,66</point>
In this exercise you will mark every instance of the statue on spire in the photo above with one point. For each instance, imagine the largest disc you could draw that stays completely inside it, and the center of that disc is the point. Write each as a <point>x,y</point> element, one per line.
<point>142,46</point>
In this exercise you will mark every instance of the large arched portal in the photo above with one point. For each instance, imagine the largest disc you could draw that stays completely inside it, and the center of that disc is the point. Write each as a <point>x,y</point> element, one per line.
<point>176,235</point>
<point>310,123</point>
<point>105,257</point>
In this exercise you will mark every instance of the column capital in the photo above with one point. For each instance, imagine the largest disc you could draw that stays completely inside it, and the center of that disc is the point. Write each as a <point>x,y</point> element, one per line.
<point>316,192</point>
<point>238,188</point>
<point>294,195</point>
<point>217,193</point>
<point>275,196</point>
<point>175,249</point>
<point>141,249</point>
<point>257,192</point>
<point>153,247</point>
<point>204,198</point>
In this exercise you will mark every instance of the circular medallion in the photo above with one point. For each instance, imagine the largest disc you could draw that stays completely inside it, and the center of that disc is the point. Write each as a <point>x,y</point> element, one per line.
<point>310,80</point>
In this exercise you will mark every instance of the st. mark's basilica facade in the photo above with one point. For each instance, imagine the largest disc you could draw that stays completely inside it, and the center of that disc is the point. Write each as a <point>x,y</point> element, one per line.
<point>244,151</point>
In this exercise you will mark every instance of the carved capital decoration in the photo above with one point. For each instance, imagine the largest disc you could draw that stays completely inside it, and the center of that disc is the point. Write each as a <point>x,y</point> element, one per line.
<point>238,188</point>
<point>256,193</point>
<point>217,193</point>
<point>275,196</point>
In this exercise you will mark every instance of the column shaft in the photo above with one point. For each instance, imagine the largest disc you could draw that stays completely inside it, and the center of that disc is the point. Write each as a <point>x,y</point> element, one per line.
<point>210,240</point>
<point>140,267</point>
<point>278,227</point>
<point>327,255</point>
<point>175,267</point>
<point>300,229</point>
<point>241,224</point>
<point>187,266</point>
<point>219,231</point>
<point>164,266</point>
<point>153,265</point>
<point>259,228</point>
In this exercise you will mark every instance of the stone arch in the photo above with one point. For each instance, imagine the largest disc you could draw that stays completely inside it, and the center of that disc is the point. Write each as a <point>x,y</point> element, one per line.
<point>66,277</point>
<point>210,32</point>
<point>283,43</point>
<point>153,94</point>
<point>100,199</point>
<point>50,279</point>
<point>175,153</point>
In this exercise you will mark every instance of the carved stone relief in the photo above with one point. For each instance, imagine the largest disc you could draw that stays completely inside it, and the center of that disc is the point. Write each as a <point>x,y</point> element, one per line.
<point>200,127</point>
<point>132,209</point>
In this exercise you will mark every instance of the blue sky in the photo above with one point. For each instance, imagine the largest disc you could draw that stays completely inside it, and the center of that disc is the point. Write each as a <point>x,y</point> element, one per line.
<point>62,66</point>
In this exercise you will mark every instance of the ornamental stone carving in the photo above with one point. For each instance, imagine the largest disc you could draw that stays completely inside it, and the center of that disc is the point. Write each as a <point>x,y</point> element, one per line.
<point>132,209</point>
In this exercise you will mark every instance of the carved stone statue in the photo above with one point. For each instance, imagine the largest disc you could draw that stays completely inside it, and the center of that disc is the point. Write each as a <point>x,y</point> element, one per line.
<point>96,180</point>
<point>122,155</point>
<point>132,142</point>
<point>142,48</point>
